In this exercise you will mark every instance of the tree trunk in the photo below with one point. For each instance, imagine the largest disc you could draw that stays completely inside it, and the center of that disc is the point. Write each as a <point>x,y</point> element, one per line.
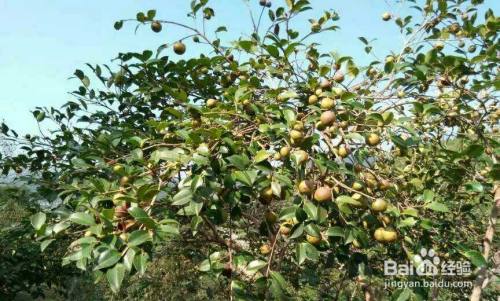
<point>482,275</point>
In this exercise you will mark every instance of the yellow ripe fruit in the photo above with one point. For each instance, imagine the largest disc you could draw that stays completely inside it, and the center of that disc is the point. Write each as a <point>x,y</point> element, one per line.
<point>379,205</point>
<point>118,168</point>
<point>327,103</point>
<point>312,99</point>
<point>124,180</point>
<point>299,126</point>
<point>313,240</point>
<point>306,186</point>
<point>343,152</point>
<point>301,156</point>
<point>285,229</point>
<point>284,151</point>
<point>379,234</point>
<point>296,135</point>
<point>179,48</point>
<point>356,196</point>
<point>211,102</point>
<point>357,186</point>
<point>386,16</point>
<point>373,139</point>
<point>323,194</point>
<point>327,118</point>
<point>277,156</point>
<point>265,249</point>
<point>385,219</point>
<point>318,92</point>
<point>266,195</point>
<point>390,235</point>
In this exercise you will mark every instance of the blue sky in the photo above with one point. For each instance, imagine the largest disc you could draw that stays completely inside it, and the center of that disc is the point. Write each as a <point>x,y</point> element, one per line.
<point>43,42</point>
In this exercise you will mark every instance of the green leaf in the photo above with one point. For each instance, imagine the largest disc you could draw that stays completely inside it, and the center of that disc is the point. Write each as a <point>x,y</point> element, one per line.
<point>475,257</point>
<point>256,265</point>
<point>436,206</point>
<point>128,259</point>
<point>404,295</point>
<point>311,210</point>
<point>142,217</point>
<point>428,195</point>
<point>82,218</point>
<point>474,187</point>
<point>165,154</point>
<point>407,222</point>
<point>183,197</point>
<point>335,231</point>
<point>38,220</point>
<point>239,161</point>
<point>300,252</point>
<point>410,211</point>
<point>261,155</point>
<point>115,277</point>
<point>140,263</point>
<point>118,25</point>
<point>107,258</point>
<point>45,244</point>
<point>138,237</point>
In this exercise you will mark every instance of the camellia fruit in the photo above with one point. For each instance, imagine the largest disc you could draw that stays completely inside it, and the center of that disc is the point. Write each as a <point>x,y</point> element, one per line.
<point>179,48</point>
<point>379,205</point>
<point>338,77</point>
<point>357,186</point>
<point>312,99</point>
<point>265,249</point>
<point>323,194</point>
<point>327,103</point>
<point>266,196</point>
<point>301,156</point>
<point>285,229</point>
<point>379,234</point>
<point>389,235</point>
<point>327,118</point>
<point>296,135</point>
<point>384,184</point>
<point>325,84</point>
<point>373,139</point>
<point>284,151</point>
<point>306,186</point>
<point>271,217</point>
<point>156,26</point>
<point>118,168</point>
<point>298,125</point>
<point>124,180</point>
<point>343,152</point>
<point>211,102</point>
<point>313,240</point>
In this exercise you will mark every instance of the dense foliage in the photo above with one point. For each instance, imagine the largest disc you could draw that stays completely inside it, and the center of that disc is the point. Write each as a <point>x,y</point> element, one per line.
<point>295,172</point>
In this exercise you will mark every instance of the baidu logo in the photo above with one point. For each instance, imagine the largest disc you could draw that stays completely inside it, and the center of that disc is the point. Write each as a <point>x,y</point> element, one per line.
<point>427,263</point>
